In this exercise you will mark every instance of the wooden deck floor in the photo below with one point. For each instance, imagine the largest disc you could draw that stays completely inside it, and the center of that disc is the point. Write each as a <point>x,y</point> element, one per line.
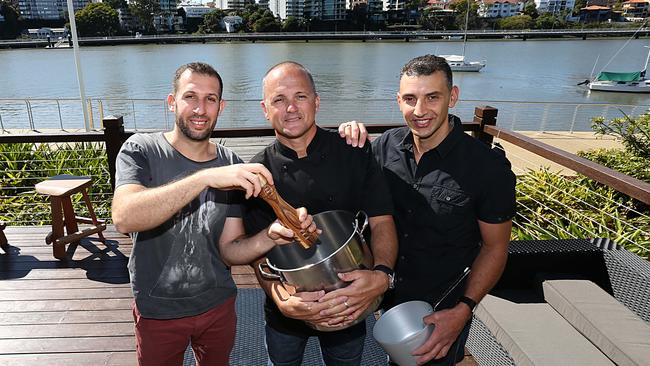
<point>74,312</point>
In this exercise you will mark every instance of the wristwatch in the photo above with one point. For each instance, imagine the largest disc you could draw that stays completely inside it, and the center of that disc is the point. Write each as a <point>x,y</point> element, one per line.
<point>469,302</point>
<point>389,271</point>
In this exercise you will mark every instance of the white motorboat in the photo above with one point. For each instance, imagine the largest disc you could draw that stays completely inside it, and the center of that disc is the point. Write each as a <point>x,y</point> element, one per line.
<point>625,82</point>
<point>458,63</point>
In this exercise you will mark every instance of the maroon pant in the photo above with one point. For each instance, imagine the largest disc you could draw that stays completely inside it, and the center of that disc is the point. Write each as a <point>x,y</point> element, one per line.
<point>163,342</point>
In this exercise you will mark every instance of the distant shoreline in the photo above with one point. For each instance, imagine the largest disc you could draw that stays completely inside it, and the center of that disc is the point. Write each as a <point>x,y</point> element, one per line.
<point>404,36</point>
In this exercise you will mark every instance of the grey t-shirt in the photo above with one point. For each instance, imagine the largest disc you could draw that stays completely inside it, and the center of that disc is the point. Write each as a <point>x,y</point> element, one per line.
<point>176,269</point>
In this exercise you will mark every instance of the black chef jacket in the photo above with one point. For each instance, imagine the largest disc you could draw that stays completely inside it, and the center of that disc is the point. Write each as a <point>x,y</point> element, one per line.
<point>333,176</point>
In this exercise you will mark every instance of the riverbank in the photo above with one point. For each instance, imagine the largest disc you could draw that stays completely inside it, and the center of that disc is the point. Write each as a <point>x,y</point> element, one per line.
<point>405,36</point>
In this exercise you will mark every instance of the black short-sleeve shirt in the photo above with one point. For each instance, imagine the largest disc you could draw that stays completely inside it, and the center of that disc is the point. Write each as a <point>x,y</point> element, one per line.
<point>438,203</point>
<point>333,176</point>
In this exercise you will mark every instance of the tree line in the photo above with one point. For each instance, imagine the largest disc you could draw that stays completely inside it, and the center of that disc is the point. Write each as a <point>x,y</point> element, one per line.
<point>102,19</point>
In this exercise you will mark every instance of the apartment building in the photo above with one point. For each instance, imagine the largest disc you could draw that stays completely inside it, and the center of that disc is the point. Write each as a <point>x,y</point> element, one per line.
<point>500,8</point>
<point>237,4</point>
<point>287,8</point>
<point>373,6</point>
<point>554,6</point>
<point>636,10</point>
<point>47,9</point>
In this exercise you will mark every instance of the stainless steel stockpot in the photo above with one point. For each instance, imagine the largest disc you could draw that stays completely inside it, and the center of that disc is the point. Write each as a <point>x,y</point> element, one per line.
<point>340,248</point>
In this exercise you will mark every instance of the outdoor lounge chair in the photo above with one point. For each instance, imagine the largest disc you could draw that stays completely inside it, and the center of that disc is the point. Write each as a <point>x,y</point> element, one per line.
<point>621,274</point>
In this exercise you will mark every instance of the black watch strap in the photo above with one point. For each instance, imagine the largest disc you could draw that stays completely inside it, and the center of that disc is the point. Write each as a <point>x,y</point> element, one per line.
<point>389,271</point>
<point>469,302</point>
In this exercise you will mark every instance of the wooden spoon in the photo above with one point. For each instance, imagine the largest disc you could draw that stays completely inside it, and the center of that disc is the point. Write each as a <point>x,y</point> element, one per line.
<point>286,214</point>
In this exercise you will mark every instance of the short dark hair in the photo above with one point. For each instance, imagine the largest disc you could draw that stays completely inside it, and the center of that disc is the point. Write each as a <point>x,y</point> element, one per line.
<point>427,65</point>
<point>297,65</point>
<point>199,68</point>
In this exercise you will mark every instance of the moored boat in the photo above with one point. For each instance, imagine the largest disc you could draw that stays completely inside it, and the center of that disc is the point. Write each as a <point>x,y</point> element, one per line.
<point>458,63</point>
<point>625,82</point>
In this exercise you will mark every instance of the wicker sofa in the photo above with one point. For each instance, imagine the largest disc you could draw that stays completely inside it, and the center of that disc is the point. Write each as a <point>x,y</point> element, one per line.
<point>620,273</point>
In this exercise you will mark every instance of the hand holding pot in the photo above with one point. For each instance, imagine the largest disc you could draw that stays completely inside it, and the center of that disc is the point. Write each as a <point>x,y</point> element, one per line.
<point>281,234</point>
<point>299,305</point>
<point>364,288</point>
<point>448,325</point>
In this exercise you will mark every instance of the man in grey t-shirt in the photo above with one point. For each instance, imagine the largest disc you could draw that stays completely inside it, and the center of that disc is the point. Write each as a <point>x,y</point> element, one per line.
<point>179,195</point>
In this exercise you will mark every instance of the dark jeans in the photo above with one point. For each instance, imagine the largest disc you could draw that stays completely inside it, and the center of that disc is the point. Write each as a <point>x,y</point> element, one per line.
<point>456,352</point>
<point>340,348</point>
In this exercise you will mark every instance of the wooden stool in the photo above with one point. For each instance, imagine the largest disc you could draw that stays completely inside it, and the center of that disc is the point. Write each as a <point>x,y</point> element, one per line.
<point>60,188</point>
<point>3,239</point>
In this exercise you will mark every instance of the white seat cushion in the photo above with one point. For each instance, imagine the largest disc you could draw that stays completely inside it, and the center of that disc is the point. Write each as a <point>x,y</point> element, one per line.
<point>535,334</point>
<point>613,328</point>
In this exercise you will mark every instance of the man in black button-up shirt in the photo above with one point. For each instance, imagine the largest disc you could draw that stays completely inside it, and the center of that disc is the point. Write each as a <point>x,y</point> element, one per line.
<point>454,198</point>
<point>314,168</point>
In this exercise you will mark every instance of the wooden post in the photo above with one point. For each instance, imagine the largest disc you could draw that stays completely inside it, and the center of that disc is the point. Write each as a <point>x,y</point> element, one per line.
<point>3,239</point>
<point>485,115</point>
<point>113,137</point>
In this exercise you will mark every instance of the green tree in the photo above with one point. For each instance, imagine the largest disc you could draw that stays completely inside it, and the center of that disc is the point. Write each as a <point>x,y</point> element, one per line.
<point>212,22</point>
<point>97,19</point>
<point>258,19</point>
<point>116,4</point>
<point>416,4</point>
<point>618,6</point>
<point>579,5</point>
<point>291,24</point>
<point>530,9</point>
<point>267,23</point>
<point>145,10</point>
<point>11,27</point>
<point>516,22</point>
<point>549,21</point>
<point>460,7</point>
<point>434,19</point>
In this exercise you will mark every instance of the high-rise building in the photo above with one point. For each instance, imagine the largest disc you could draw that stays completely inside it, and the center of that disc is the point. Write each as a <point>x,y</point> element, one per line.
<point>47,9</point>
<point>287,8</point>
<point>373,6</point>
<point>167,6</point>
<point>239,4</point>
<point>313,8</point>
<point>333,10</point>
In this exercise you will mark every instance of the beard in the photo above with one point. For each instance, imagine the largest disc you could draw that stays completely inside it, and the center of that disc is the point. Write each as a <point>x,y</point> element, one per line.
<point>183,126</point>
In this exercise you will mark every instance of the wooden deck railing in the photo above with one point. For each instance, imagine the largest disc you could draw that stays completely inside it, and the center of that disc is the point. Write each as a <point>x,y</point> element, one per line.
<point>483,126</point>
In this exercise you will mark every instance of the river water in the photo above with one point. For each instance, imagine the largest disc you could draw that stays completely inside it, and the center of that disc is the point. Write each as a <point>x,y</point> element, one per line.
<point>533,83</point>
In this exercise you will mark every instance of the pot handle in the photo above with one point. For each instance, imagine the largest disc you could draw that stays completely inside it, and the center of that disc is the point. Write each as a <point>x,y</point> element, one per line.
<point>268,275</point>
<point>357,218</point>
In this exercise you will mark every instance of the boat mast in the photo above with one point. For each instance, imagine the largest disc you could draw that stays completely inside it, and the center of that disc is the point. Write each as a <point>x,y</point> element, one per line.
<point>466,23</point>
<point>594,68</point>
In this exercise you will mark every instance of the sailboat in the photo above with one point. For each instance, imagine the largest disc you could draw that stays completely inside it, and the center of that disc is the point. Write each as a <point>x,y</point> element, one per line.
<point>457,62</point>
<point>626,82</point>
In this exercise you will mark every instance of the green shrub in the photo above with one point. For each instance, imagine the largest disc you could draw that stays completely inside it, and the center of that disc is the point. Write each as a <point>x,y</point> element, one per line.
<point>552,206</point>
<point>633,132</point>
<point>25,164</point>
<point>622,161</point>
